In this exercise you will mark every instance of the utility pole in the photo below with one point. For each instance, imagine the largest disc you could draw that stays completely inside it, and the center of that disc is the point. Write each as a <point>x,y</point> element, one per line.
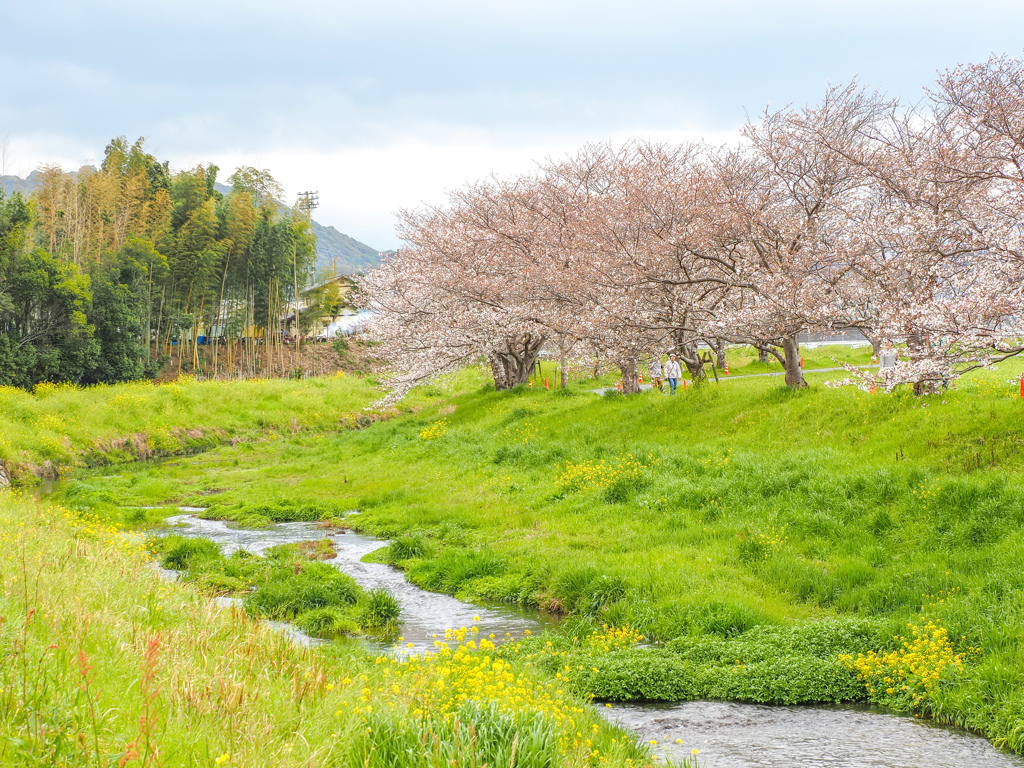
<point>307,202</point>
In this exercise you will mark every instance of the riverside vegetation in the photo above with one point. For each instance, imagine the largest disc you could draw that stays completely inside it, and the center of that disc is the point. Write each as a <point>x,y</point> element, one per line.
<point>786,546</point>
<point>107,664</point>
<point>287,584</point>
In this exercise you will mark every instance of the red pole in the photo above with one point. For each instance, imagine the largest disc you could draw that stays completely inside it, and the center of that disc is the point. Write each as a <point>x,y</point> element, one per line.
<point>1022,386</point>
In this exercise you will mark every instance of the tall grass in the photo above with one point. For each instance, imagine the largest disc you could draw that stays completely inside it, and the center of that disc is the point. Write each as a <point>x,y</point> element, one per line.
<point>70,426</point>
<point>104,663</point>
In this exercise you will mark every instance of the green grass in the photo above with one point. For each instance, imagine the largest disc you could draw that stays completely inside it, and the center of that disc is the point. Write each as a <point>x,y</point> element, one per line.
<point>710,517</point>
<point>709,514</point>
<point>106,664</point>
<point>288,584</point>
<point>70,427</point>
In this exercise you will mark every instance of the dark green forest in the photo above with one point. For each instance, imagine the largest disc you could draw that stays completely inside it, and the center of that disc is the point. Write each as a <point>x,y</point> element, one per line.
<point>105,272</point>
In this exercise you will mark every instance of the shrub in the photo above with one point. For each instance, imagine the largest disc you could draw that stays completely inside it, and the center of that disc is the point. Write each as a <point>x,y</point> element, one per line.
<point>588,591</point>
<point>448,572</point>
<point>180,553</point>
<point>327,623</point>
<point>291,591</point>
<point>407,547</point>
<point>378,608</point>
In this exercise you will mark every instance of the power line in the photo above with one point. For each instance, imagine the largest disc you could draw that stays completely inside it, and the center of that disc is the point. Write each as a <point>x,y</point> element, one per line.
<point>308,201</point>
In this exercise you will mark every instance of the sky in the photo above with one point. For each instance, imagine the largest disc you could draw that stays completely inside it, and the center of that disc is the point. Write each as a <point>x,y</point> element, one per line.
<point>387,105</point>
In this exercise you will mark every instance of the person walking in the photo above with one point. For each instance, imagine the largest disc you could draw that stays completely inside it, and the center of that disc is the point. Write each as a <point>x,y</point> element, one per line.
<point>888,357</point>
<point>673,373</point>
<point>656,374</point>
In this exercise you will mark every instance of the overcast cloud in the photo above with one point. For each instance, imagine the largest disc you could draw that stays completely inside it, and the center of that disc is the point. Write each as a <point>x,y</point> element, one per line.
<point>385,105</point>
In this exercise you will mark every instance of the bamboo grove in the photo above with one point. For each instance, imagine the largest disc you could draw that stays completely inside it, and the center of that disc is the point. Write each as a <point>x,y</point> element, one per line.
<point>107,274</point>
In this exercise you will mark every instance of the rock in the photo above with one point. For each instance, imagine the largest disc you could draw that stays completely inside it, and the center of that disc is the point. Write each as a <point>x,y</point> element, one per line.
<point>5,480</point>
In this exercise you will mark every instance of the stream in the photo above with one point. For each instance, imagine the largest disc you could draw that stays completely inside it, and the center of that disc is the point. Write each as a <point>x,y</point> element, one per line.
<point>728,735</point>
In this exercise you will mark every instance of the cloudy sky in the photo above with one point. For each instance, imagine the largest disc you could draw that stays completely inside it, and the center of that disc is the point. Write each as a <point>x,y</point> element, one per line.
<point>385,105</point>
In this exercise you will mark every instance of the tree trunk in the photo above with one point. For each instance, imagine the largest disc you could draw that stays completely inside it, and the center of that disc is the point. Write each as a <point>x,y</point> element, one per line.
<point>562,373</point>
<point>687,352</point>
<point>498,371</point>
<point>794,373</point>
<point>720,354</point>
<point>762,355</point>
<point>630,379</point>
<point>516,361</point>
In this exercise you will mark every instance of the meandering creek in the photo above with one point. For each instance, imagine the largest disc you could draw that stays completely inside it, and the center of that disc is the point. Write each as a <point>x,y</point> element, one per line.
<point>727,735</point>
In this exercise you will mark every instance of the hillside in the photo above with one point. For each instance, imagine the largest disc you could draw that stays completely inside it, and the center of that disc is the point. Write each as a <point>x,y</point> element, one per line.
<point>336,251</point>
<point>341,253</point>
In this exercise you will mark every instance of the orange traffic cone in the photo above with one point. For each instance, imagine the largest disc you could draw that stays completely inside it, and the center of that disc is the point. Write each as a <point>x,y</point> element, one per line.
<point>801,361</point>
<point>641,378</point>
<point>618,385</point>
<point>726,371</point>
<point>529,385</point>
<point>546,383</point>
<point>686,384</point>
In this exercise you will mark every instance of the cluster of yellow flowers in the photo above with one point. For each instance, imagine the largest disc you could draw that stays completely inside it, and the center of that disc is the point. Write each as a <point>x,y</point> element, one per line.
<point>770,539</point>
<point>126,401</point>
<point>469,667</point>
<point>51,422</point>
<point>46,388</point>
<point>760,544</point>
<point>612,639</point>
<point>925,492</point>
<point>520,433</point>
<point>599,475</point>
<point>718,461</point>
<point>435,430</point>
<point>907,678</point>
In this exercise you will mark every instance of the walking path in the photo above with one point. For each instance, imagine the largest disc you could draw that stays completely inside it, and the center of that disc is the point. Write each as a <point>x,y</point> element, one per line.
<point>722,377</point>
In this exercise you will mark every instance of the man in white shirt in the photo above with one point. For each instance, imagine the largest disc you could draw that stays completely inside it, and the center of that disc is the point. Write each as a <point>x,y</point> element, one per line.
<point>888,357</point>
<point>673,373</point>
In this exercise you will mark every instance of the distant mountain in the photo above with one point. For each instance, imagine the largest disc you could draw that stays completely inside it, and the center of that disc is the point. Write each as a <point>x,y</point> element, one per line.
<point>13,184</point>
<point>335,251</point>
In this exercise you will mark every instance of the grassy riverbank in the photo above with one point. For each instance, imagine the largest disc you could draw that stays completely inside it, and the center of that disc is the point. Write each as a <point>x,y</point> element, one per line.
<point>701,520</point>
<point>105,663</point>
<point>704,516</point>
<point>60,428</point>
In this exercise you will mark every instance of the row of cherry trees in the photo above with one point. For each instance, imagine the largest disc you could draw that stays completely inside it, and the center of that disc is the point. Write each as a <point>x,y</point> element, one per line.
<point>852,213</point>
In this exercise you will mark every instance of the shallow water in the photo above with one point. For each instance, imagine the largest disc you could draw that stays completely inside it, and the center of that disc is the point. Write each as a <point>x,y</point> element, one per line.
<point>727,735</point>
<point>757,736</point>
<point>425,615</point>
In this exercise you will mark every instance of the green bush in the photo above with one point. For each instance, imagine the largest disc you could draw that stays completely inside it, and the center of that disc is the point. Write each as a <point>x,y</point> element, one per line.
<point>515,588</point>
<point>448,572</point>
<point>644,674</point>
<point>180,553</point>
<point>407,547</point>
<point>587,590</point>
<point>291,591</point>
<point>824,640</point>
<point>378,608</point>
<point>327,623</point>
<point>257,514</point>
